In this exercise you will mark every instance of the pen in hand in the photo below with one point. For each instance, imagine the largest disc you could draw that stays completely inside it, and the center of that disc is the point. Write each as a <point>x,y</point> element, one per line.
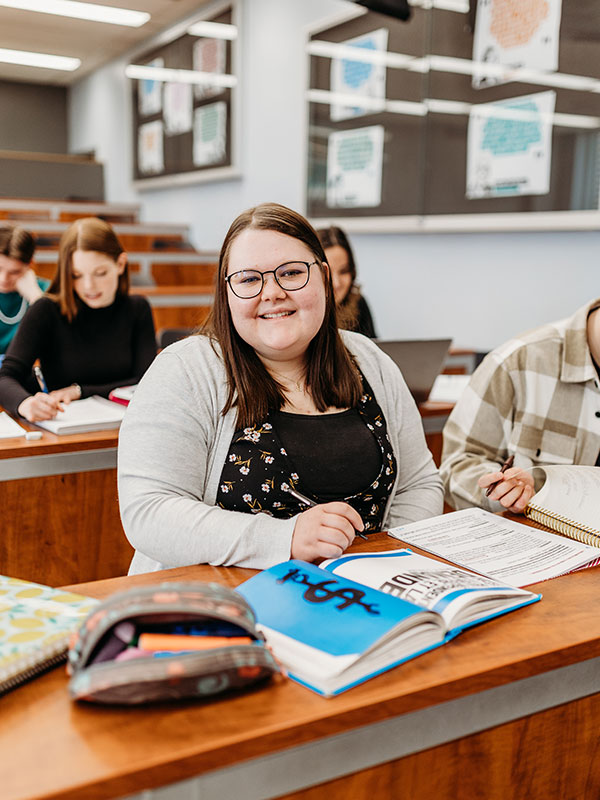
<point>507,465</point>
<point>39,375</point>
<point>308,502</point>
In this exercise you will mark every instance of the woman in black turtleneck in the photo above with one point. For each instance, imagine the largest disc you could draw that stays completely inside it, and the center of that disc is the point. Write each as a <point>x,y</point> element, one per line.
<point>88,333</point>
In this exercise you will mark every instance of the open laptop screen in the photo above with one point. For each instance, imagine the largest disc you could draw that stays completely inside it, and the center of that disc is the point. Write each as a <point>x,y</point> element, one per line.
<point>420,361</point>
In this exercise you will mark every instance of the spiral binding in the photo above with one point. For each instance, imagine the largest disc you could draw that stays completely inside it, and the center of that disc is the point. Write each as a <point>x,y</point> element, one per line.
<point>33,671</point>
<point>564,525</point>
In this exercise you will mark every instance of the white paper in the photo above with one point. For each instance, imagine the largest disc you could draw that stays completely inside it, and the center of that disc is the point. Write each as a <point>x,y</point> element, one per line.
<point>516,34</point>
<point>509,146</point>
<point>354,167</point>
<point>150,148</point>
<point>9,429</point>
<point>209,55</point>
<point>150,92</point>
<point>448,388</point>
<point>177,108</point>
<point>572,492</point>
<point>508,551</point>
<point>359,78</point>
<point>210,134</point>
<point>92,414</point>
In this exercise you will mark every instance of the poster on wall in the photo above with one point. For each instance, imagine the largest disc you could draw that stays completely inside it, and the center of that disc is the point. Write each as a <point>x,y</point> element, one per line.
<point>210,134</point>
<point>509,146</point>
<point>354,167</point>
<point>150,148</point>
<point>209,55</point>
<point>177,110</point>
<point>359,79</point>
<point>150,92</point>
<point>516,34</point>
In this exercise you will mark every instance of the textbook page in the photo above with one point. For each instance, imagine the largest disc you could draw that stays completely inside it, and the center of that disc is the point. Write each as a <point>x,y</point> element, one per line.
<point>9,428</point>
<point>461,598</point>
<point>505,550</point>
<point>571,492</point>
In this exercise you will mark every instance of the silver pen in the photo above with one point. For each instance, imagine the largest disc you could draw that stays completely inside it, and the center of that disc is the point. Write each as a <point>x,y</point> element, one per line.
<point>308,502</point>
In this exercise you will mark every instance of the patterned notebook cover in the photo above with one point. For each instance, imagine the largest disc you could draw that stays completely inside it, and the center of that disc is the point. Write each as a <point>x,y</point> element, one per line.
<point>36,623</point>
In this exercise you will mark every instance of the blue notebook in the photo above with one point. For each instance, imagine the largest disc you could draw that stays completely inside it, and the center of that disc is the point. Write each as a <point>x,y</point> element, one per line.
<point>353,617</point>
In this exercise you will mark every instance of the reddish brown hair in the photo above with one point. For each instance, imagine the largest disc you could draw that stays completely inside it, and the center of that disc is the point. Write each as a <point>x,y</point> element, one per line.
<point>89,233</point>
<point>331,376</point>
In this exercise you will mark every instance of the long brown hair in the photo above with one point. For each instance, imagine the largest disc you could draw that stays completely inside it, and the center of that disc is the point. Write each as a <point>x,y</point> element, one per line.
<point>88,233</point>
<point>16,242</point>
<point>348,309</point>
<point>331,376</point>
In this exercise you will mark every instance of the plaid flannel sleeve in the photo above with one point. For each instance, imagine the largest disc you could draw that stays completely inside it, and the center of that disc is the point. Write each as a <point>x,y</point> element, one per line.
<point>477,434</point>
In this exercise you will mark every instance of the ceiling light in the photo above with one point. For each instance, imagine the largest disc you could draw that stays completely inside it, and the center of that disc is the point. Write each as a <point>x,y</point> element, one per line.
<point>213,30</point>
<point>167,75</point>
<point>41,60</point>
<point>89,11</point>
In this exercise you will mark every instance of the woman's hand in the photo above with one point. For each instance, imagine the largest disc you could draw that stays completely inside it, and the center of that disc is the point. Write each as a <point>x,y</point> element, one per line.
<point>325,531</point>
<point>514,490</point>
<point>39,406</point>
<point>28,287</point>
<point>66,395</point>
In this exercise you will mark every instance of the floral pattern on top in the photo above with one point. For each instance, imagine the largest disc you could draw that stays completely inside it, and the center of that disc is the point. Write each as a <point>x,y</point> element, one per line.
<point>258,471</point>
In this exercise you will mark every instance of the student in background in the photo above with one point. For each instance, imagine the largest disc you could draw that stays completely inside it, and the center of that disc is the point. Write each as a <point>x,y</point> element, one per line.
<point>270,397</point>
<point>536,398</point>
<point>88,333</point>
<point>19,285</point>
<point>353,312</point>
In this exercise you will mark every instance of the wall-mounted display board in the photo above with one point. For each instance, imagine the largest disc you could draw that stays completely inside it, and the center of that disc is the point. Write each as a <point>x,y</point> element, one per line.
<point>488,108</point>
<point>183,100</point>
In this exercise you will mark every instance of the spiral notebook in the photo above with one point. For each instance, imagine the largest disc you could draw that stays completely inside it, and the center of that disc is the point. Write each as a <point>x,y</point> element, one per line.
<point>36,623</point>
<point>568,502</point>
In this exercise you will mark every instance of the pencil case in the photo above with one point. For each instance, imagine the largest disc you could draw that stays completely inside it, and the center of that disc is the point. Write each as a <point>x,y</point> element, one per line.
<point>110,660</point>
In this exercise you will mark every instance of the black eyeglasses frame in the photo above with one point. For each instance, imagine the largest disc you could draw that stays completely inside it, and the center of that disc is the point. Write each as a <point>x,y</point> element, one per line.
<point>272,272</point>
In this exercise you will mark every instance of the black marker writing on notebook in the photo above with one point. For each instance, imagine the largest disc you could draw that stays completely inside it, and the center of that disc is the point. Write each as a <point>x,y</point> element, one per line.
<point>507,465</point>
<point>308,502</point>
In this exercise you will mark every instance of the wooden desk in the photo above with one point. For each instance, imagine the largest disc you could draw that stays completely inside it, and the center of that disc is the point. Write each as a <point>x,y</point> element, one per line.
<point>508,710</point>
<point>60,515</point>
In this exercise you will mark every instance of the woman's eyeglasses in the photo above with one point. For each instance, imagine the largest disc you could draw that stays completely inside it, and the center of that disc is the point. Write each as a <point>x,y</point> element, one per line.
<point>292,275</point>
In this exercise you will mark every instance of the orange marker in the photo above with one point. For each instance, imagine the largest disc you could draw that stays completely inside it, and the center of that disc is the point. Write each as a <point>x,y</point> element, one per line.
<point>175,642</point>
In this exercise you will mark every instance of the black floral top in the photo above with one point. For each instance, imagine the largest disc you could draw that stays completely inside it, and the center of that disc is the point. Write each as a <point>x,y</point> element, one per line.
<point>258,469</point>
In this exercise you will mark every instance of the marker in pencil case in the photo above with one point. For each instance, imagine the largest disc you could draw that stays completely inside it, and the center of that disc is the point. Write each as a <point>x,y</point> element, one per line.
<point>176,642</point>
<point>308,502</point>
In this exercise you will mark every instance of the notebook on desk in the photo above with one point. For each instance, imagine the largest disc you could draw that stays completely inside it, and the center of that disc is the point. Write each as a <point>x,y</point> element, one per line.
<point>83,416</point>
<point>420,361</point>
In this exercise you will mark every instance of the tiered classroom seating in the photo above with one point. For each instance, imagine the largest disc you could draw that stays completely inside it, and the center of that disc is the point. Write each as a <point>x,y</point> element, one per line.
<point>176,278</point>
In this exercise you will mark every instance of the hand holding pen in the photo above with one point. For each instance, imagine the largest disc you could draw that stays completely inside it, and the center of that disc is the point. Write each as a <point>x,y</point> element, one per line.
<point>512,487</point>
<point>39,406</point>
<point>326,530</point>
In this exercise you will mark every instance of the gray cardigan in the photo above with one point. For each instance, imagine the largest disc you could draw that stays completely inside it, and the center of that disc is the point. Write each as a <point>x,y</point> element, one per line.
<point>174,442</point>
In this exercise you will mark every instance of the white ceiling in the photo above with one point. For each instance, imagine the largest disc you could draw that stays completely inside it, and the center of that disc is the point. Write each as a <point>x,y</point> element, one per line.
<point>95,43</point>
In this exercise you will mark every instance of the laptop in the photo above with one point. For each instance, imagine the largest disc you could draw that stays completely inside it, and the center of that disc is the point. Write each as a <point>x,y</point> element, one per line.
<point>420,361</point>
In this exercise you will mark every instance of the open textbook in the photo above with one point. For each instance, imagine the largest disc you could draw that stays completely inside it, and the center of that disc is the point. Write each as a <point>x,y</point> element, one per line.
<point>569,502</point>
<point>355,616</point>
<point>92,414</point>
<point>501,548</point>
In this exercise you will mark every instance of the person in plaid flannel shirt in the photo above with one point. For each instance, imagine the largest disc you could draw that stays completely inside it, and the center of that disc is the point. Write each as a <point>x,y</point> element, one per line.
<point>537,397</point>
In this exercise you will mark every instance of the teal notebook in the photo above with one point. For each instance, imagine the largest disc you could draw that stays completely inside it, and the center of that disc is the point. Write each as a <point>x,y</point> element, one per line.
<point>36,623</point>
<point>353,617</point>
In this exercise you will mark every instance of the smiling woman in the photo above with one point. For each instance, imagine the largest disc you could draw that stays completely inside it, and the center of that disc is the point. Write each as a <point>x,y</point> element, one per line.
<point>89,335</point>
<point>269,398</point>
